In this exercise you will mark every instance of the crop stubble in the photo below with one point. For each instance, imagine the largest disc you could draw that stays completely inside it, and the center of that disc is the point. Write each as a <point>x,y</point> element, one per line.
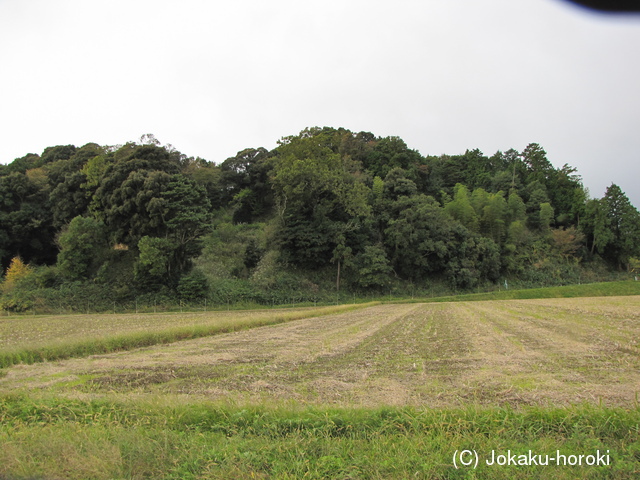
<point>517,352</point>
<point>20,331</point>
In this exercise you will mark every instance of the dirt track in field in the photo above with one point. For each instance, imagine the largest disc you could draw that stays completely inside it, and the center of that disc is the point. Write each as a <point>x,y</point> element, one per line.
<point>519,352</point>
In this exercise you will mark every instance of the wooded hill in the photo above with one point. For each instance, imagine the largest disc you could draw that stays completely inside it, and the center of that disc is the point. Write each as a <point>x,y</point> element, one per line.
<point>326,210</point>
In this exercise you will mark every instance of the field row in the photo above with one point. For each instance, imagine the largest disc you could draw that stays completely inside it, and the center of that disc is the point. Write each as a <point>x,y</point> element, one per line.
<point>30,331</point>
<point>519,352</point>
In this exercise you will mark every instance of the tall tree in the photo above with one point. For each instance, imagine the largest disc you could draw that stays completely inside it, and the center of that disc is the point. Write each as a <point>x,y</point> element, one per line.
<point>538,166</point>
<point>83,246</point>
<point>596,225</point>
<point>461,209</point>
<point>319,197</point>
<point>516,209</point>
<point>130,190</point>
<point>624,221</point>
<point>25,219</point>
<point>389,153</point>
<point>186,217</point>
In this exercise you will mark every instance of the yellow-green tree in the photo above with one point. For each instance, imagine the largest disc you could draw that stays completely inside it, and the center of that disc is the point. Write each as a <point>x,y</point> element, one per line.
<point>17,270</point>
<point>461,209</point>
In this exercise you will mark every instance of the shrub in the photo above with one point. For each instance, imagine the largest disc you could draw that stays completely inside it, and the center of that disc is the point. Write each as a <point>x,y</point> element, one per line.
<point>16,304</point>
<point>373,267</point>
<point>193,286</point>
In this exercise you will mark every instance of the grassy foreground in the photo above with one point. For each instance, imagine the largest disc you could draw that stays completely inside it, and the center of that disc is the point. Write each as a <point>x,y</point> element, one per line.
<point>100,342</point>
<point>55,439</point>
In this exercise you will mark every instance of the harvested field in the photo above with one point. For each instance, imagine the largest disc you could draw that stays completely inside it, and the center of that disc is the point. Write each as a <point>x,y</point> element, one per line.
<point>516,352</point>
<point>19,331</point>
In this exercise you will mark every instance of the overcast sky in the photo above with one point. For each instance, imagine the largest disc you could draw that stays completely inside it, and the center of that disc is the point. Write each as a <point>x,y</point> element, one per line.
<point>213,77</point>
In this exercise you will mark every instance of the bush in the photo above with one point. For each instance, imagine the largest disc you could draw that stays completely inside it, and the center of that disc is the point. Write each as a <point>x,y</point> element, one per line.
<point>373,268</point>
<point>16,304</point>
<point>193,286</point>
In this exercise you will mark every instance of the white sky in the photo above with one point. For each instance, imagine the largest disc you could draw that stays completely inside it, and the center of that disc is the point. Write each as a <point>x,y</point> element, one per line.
<point>213,77</point>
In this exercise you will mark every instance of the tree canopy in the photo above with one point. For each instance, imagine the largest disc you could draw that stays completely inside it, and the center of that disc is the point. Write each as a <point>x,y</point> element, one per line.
<point>368,209</point>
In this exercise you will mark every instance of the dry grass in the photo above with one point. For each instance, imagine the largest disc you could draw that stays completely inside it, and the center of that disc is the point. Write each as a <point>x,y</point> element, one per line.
<point>22,331</point>
<point>518,352</point>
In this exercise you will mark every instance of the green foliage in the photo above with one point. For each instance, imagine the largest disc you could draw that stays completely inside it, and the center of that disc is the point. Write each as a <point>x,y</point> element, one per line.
<point>154,262</point>
<point>210,178</point>
<point>624,221</point>
<point>330,203</point>
<point>537,195</point>
<point>134,208</point>
<point>94,169</point>
<point>25,220</point>
<point>129,197</point>
<point>390,153</point>
<point>245,184</point>
<point>82,248</point>
<point>596,225</point>
<point>193,286</point>
<point>377,191</point>
<point>319,196</point>
<point>418,236</point>
<point>539,169</point>
<point>461,209</point>
<point>266,271</point>
<point>518,234</point>
<point>424,240</point>
<point>373,267</point>
<point>252,254</point>
<point>16,303</point>
<point>228,248</point>
<point>546,216</point>
<point>516,209</point>
<point>397,184</point>
<point>492,221</point>
<point>69,199</point>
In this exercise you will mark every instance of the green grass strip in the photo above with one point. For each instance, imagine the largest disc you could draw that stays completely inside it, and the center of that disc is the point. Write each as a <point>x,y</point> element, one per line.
<point>129,341</point>
<point>53,438</point>
<point>604,289</point>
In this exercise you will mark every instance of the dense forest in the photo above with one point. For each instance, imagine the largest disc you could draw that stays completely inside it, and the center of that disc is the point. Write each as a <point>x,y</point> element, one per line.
<point>326,212</point>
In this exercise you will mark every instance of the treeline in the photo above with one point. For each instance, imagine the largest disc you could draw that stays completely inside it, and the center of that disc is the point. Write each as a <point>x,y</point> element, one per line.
<point>327,210</point>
